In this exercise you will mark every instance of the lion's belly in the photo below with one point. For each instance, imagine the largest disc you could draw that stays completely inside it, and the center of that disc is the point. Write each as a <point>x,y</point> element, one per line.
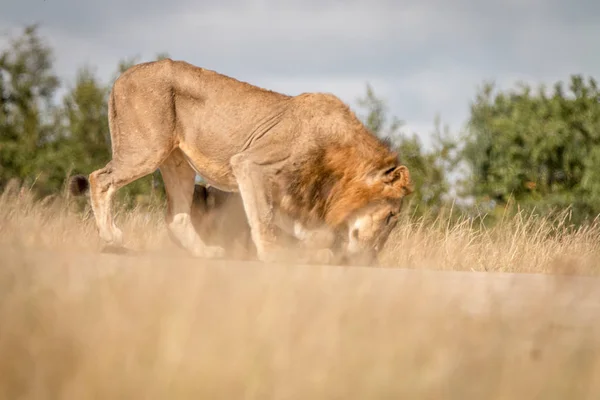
<point>216,170</point>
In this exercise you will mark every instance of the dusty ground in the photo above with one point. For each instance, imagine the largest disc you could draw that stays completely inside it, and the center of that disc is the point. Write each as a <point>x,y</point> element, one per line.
<point>76,324</point>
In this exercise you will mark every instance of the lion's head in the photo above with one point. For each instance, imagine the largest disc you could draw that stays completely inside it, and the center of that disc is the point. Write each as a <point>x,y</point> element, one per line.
<point>357,190</point>
<point>368,226</point>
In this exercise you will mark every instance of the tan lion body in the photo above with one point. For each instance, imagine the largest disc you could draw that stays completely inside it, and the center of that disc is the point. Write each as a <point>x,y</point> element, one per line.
<point>301,160</point>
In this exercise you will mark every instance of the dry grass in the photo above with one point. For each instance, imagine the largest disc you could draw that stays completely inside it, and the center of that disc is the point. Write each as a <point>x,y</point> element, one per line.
<point>522,243</point>
<point>53,223</point>
<point>76,324</point>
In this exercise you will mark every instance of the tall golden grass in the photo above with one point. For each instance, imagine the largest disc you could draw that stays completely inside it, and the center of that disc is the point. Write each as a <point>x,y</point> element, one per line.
<point>519,242</point>
<point>77,324</point>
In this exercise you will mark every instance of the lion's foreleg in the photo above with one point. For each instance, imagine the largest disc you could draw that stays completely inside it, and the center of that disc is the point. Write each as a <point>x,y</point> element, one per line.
<point>258,207</point>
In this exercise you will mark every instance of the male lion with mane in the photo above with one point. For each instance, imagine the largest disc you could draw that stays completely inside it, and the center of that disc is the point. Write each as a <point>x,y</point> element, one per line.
<point>304,163</point>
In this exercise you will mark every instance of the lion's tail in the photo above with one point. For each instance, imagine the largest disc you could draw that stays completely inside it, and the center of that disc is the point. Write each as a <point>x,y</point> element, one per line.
<point>79,185</point>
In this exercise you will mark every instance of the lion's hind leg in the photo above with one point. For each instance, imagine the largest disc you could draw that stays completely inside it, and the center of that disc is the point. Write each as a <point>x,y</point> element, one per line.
<point>102,190</point>
<point>128,164</point>
<point>104,183</point>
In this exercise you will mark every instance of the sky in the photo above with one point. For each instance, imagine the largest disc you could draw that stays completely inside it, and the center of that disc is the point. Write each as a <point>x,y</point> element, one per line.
<point>422,57</point>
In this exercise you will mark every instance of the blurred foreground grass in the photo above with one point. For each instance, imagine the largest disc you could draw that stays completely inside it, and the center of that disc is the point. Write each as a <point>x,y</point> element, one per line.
<point>76,324</point>
<point>82,326</point>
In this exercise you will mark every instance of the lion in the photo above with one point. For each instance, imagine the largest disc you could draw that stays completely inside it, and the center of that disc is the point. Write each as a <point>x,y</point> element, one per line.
<point>302,163</point>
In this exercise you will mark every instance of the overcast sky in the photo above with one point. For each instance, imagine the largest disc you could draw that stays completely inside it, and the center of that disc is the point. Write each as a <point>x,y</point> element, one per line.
<point>422,59</point>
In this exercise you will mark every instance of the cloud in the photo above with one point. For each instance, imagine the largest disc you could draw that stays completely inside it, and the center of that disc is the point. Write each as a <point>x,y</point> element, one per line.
<point>422,57</point>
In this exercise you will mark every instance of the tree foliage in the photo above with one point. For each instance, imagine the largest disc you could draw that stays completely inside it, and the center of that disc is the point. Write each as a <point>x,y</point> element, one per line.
<point>27,87</point>
<point>44,137</point>
<point>541,149</point>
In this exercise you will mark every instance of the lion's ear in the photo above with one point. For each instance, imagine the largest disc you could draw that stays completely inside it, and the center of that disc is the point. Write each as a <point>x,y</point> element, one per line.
<point>399,177</point>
